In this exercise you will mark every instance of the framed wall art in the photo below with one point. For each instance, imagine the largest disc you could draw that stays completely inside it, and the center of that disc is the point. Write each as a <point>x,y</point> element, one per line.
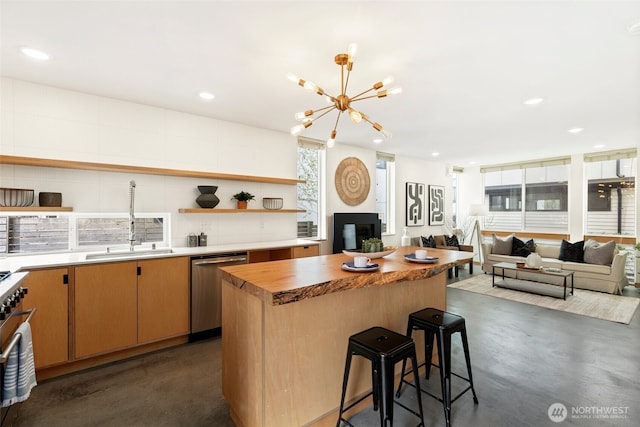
<point>415,204</point>
<point>436,205</point>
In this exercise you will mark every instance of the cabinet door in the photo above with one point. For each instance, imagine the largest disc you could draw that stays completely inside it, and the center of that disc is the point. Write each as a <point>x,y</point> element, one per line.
<point>49,294</point>
<point>105,315</point>
<point>163,298</point>
<point>305,251</point>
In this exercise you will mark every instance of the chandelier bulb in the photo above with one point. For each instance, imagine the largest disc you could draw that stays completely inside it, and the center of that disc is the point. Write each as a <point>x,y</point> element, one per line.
<point>385,82</point>
<point>353,48</point>
<point>332,140</point>
<point>292,77</point>
<point>394,91</point>
<point>356,117</point>
<point>296,130</point>
<point>303,115</point>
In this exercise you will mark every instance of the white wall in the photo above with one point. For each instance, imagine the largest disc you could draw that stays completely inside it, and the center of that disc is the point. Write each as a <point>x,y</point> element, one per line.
<point>47,122</point>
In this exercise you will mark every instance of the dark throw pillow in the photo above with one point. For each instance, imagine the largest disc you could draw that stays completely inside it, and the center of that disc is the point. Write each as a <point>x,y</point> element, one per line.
<point>572,251</point>
<point>451,241</point>
<point>428,242</point>
<point>523,249</point>
<point>502,246</point>
<point>599,253</point>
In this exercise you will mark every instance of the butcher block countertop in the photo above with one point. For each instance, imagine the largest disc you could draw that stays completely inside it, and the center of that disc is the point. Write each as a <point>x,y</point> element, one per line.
<point>288,281</point>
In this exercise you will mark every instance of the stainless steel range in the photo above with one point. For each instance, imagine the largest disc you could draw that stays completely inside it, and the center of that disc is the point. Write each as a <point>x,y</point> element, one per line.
<point>11,315</point>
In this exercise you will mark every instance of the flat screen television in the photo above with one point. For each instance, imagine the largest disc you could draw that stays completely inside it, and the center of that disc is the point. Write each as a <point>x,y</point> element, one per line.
<point>350,229</point>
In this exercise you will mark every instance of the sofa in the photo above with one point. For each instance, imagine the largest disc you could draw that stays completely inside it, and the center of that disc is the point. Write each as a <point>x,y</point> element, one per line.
<point>443,242</point>
<point>602,272</point>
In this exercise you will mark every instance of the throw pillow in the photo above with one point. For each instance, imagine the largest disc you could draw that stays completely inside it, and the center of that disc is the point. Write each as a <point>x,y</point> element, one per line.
<point>428,242</point>
<point>451,241</point>
<point>502,245</point>
<point>523,249</point>
<point>597,253</point>
<point>572,251</point>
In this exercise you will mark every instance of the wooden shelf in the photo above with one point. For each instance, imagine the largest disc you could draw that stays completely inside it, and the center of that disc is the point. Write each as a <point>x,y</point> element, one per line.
<point>69,164</point>
<point>217,211</point>
<point>34,209</point>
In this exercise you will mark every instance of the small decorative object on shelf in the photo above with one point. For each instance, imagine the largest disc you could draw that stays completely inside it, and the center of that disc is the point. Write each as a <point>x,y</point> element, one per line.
<point>207,197</point>
<point>50,199</point>
<point>272,203</point>
<point>372,245</point>
<point>243,198</point>
<point>16,197</point>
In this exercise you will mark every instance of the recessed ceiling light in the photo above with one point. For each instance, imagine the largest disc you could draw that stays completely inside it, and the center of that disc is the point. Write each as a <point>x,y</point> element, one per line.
<point>34,53</point>
<point>575,130</point>
<point>473,162</point>
<point>207,96</point>
<point>634,29</point>
<point>435,154</point>
<point>378,140</point>
<point>534,101</point>
<point>599,146</point>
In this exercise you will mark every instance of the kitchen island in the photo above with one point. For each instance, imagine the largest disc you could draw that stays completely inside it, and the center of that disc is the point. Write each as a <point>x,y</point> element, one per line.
<point>286,325</point>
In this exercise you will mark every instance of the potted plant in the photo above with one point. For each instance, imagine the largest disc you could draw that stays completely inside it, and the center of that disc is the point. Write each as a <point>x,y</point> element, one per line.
<point>637,248</point>
<point>243,198</point>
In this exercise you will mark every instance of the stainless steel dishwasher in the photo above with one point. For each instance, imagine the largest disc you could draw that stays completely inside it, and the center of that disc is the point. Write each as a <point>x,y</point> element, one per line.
<point>206,292</point>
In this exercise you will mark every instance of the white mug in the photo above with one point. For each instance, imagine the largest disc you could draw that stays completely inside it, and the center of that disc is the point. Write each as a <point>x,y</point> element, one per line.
<point>421,254</point>
<point>361,261</point>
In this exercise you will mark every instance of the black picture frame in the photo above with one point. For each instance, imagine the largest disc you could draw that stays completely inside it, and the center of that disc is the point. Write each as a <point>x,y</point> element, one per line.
<point>436,205</point>
<point>415,206</point>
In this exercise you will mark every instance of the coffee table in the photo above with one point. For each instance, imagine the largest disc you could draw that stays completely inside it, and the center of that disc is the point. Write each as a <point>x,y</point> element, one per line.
<point>538,281</point>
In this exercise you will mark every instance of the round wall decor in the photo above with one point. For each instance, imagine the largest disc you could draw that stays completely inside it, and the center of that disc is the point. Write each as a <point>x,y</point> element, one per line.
<point>352,181</point>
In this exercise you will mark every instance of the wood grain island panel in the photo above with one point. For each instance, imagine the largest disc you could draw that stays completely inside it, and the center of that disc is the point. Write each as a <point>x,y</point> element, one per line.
<point>286,325</point>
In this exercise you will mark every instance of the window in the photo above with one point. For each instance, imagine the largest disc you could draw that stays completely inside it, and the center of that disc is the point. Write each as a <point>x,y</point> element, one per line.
<point>22,233</point>
<point>385,195</point>
<point>611,195</point>
<point>530,196</point>
<point>311,168</point>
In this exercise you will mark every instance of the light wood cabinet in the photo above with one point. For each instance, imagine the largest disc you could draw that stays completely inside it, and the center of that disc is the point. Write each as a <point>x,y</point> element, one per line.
<point>49,294</point>
<point>263,255</point>
<point>105,308</point>
<point>122,304</point>
<point>305,251</point>
<point>163,298</point>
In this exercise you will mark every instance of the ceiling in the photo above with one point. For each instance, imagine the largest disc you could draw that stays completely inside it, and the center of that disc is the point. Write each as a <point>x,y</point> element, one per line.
<point>465,67</point>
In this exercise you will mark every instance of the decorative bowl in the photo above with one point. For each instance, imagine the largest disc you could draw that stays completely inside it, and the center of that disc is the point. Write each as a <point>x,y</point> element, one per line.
<point>50,199</point>
<point>16,197</point>
<point>273,203</point>
<point>373,255</point>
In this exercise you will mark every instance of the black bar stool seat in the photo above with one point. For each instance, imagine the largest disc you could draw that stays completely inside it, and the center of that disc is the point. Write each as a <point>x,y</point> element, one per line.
<point>384,348</point>
<point>440,325</point>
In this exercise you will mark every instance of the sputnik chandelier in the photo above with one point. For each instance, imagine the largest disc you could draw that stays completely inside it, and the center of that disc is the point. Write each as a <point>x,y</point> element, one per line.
<point>342,102</point>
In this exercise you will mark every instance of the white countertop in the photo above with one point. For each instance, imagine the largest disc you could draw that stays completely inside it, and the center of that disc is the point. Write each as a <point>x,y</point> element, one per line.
<point>17,262</point>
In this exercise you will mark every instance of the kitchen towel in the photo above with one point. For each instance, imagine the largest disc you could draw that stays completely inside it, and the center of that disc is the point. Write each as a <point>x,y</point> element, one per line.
<point>20,372</point>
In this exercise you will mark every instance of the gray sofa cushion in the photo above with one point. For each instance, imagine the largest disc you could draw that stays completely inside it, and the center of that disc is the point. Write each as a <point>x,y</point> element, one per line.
<point>599,253</point>
<point>502,245</point>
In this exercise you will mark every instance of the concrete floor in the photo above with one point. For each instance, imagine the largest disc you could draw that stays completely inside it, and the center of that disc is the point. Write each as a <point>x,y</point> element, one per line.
<point>524,359</point>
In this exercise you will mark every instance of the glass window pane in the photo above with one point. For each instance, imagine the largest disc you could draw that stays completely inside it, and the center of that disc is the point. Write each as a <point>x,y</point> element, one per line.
<point>611,197</point>
<point>309,194</point>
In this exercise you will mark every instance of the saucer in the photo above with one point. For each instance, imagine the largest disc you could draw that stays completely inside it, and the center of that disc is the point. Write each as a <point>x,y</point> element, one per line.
<point>427,260</point>
<point>349,266</point>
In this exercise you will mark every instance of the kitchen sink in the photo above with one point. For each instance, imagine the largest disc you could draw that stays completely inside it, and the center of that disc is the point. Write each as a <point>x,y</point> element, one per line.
<point>129,254</point>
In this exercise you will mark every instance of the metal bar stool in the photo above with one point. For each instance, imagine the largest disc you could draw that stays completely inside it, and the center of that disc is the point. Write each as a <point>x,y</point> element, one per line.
<point>442,325</point>
<point>384,348</point>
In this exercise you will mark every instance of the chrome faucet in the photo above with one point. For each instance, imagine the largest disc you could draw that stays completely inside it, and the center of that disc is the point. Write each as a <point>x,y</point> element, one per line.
<point>132,219</point>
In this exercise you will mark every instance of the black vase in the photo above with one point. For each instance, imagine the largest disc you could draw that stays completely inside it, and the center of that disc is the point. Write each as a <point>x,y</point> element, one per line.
<point>207,197</point>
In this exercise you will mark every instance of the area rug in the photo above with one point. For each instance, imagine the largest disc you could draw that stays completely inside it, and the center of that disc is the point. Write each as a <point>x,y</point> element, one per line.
<point>614,308</point>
